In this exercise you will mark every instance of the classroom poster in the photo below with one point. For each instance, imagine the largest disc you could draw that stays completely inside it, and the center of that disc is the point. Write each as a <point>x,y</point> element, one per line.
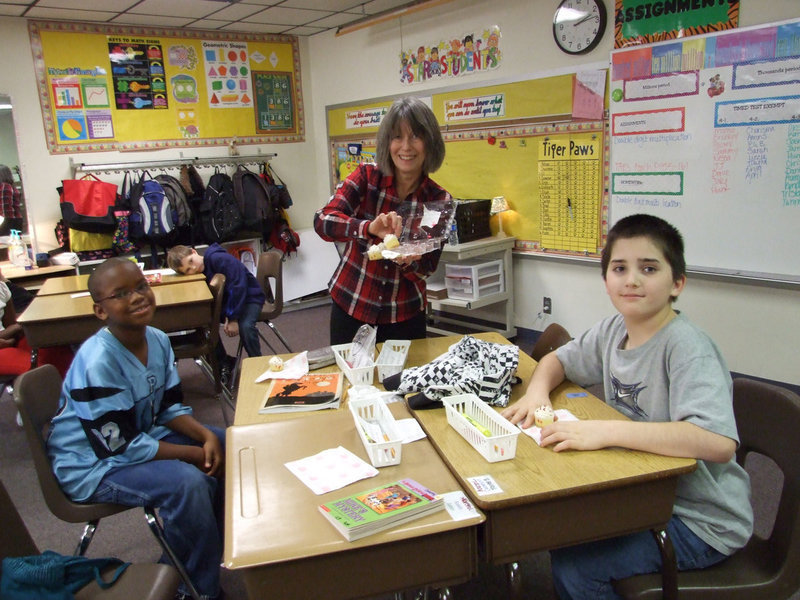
<point>105,87</point>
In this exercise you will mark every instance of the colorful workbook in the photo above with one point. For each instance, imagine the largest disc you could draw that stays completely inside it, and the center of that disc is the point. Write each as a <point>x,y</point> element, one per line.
<point>313,391</point>
<point>369,512</point>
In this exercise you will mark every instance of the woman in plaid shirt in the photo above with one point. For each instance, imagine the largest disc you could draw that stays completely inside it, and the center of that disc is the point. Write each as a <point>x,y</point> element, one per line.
<point>389,294</point>
<point>9,201</point>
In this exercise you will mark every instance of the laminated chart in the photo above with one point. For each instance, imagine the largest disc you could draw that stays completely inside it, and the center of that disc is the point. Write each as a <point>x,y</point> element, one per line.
<point>227,69</point>
<point>570,171</point>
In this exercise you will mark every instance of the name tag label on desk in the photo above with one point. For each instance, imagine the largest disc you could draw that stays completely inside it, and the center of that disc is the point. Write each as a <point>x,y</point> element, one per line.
<point>485,485</point>
<point>458,506</point>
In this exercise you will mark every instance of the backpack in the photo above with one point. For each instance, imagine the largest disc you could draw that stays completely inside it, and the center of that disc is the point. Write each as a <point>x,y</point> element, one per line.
<point>180,206</point>
<point>254,201</point>
<point>219,212</point>
<point>152,218</point>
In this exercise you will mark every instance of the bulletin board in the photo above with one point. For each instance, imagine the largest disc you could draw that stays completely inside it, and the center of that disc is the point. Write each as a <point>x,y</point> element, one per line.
<point>127,88</point>
<point>517,140</point>
<point>705,133</point>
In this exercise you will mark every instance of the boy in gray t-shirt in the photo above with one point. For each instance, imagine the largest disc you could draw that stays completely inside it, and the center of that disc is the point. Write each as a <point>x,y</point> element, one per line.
<point>669,377</point>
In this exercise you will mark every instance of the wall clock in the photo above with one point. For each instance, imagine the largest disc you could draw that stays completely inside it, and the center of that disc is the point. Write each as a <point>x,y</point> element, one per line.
<point>578,25</point>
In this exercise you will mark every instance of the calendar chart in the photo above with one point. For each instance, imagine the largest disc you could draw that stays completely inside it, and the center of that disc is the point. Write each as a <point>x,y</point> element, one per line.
<point>570,174</point>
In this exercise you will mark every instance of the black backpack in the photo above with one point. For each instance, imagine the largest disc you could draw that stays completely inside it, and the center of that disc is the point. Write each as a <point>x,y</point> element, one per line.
<point>254,200</point>
<point>219,213</point>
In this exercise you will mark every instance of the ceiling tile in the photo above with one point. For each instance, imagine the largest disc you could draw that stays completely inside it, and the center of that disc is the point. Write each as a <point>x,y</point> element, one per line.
<point>335,20</point>
<point>376,6</point>
<point>256,27</point>
<point>305,30</point>
<point>289,16</point>
<point>8,10</point>
<point>147,20</point>
<point>348,5</point>
<point>60,14</point>
<point>106,5</point>
<point>234,12</point>
<point>186,8</point>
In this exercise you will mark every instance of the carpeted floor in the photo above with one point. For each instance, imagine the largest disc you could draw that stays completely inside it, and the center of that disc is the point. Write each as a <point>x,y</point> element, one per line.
<point>127,536</point>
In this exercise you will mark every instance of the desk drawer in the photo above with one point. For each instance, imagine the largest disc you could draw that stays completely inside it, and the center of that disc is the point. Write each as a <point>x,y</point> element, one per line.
<point>470,280</point>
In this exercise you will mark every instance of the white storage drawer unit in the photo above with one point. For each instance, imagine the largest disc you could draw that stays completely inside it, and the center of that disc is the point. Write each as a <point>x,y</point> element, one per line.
<point>474,279</point>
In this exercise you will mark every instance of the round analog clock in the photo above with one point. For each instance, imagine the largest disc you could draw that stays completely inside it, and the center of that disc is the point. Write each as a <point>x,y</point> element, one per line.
<point>578,25</point>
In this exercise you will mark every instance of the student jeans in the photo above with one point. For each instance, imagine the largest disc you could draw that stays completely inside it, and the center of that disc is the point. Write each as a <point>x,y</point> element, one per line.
<point>189,502</point>
<point>248,332</point>
<point>585,572</point>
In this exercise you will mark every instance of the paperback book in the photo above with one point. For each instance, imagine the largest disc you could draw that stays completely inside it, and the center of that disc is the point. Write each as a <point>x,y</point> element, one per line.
<point>313,391</point>
<point>365,513</point>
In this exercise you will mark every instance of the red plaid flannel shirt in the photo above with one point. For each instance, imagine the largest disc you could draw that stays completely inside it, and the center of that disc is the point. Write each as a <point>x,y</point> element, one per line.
<point>377,291</point>
<point>9,201</point>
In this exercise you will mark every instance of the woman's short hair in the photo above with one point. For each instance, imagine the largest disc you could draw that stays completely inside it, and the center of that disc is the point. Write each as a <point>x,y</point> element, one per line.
<point>5,175</point>
<point>423,123</point>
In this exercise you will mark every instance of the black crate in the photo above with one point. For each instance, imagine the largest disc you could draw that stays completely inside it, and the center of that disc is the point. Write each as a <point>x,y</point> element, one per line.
<point>472,219</point>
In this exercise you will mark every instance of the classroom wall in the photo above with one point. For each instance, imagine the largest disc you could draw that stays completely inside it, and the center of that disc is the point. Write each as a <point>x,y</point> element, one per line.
<point>758,328</point>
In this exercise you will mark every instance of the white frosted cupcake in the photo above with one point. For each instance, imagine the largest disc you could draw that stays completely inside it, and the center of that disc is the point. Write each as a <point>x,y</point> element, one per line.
<point>375,252</point>
<point>543,416</point>
<point>391,241</point>
<point>276,363</point>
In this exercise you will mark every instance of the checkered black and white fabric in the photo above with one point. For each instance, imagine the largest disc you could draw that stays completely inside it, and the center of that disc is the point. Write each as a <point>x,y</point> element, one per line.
<point>469,366</point>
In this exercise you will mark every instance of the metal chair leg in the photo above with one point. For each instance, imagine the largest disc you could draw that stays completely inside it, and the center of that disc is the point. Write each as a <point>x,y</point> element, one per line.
<point>86,537</point>
<point>669,564</point>
<point>278,334</point>
<point>158,531</point>
<point>514,579</point>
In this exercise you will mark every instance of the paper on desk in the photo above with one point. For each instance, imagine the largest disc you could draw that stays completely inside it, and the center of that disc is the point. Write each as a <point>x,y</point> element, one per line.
<point>331,469</point>
<point>409,430</point>
<point>459,506</point>
<point>536,432</point>
<point>294,368</point>
<point>79,295</point>
<point>370,392</point>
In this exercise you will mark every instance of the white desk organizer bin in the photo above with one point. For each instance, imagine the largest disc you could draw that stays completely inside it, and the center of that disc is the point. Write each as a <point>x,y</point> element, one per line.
<point>356,376</point>
<point>500,445</point>
<point>392,358</point>
<point>378,418</point>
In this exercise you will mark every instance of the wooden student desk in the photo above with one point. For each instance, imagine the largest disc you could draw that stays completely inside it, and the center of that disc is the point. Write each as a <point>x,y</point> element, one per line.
<point>549,499</point>
<point>34,277</point>
<point>284,548</point>
<point>80,283</point>
<point>53,320</point>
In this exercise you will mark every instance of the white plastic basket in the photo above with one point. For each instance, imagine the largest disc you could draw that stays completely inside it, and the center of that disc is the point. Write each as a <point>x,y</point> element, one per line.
<point>501,444</point>
<point>392,358</point>
<point>373,416</point>
<point>356,376</point>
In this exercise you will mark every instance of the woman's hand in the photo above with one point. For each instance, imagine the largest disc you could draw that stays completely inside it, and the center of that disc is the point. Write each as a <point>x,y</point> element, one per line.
<point>386,223</point>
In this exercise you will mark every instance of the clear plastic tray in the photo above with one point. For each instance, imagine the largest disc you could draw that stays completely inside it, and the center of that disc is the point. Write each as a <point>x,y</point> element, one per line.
<point>373,420</point>
<point>494,437</point>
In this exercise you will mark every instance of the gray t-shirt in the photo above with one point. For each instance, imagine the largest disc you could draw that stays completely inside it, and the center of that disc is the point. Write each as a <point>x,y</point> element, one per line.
<point>677,375</point>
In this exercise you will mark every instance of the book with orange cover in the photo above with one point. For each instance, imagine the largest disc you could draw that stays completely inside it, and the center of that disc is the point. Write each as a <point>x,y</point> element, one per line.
<point>313,391</point>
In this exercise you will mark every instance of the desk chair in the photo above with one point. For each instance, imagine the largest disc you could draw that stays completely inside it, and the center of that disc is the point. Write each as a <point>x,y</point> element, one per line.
<point>268,273</point>
<point>140,581</point>
<point>202,342</point>
<point>36,394</point>
<point>552,337</point>
<point>768,420</point>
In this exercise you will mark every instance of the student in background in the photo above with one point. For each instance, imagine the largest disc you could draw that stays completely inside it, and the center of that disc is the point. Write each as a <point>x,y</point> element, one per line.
<point>389,294</point>
<point>669,377</point>
<point>15,353</point>
<point>10,208</point>
<point>122,434</point>
<point>243,297</point>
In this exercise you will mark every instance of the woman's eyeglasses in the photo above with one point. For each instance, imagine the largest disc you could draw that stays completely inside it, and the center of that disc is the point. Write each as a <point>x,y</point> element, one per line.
<point>125,294</point>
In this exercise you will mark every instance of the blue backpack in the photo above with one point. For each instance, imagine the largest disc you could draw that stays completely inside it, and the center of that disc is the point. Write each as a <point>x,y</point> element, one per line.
<point>153,218</point>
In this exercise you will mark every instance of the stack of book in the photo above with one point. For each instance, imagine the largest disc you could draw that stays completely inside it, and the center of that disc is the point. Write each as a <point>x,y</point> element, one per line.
<point>369,512</point>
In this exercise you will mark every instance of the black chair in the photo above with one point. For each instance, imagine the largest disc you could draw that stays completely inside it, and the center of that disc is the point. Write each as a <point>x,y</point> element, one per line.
<point>36,394</point>
<point>767,568</point>
<point>552,337</point>
<point>141,581</point>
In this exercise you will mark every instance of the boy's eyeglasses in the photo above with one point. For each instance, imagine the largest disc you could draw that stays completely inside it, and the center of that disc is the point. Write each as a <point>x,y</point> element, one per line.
<point>125,294</point>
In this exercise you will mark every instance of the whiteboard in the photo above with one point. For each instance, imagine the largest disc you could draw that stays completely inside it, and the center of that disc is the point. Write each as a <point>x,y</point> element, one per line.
<point>705,133</point>
<point>309,270</point>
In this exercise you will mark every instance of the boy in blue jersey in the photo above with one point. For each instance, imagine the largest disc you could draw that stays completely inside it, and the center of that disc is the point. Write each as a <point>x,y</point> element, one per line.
<point>243,297</point>
<point>122,435</point>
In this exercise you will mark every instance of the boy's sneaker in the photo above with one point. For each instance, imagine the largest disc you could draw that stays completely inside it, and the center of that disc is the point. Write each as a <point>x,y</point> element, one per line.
<point>226,370</point>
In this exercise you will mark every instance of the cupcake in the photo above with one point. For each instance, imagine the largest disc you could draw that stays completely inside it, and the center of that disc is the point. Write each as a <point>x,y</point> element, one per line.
<point>391,241</point>
<point>375,252</point>
<point>276,363</point>
<point>543,415</point>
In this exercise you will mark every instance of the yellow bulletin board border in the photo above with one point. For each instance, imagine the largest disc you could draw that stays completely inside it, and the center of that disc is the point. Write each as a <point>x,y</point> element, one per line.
<point>240,133</point>
<point>507,143</point>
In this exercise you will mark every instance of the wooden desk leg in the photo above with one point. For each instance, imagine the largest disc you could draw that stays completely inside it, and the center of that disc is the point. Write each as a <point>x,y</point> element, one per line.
<point>669,565</point>
<point>514,579</point>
